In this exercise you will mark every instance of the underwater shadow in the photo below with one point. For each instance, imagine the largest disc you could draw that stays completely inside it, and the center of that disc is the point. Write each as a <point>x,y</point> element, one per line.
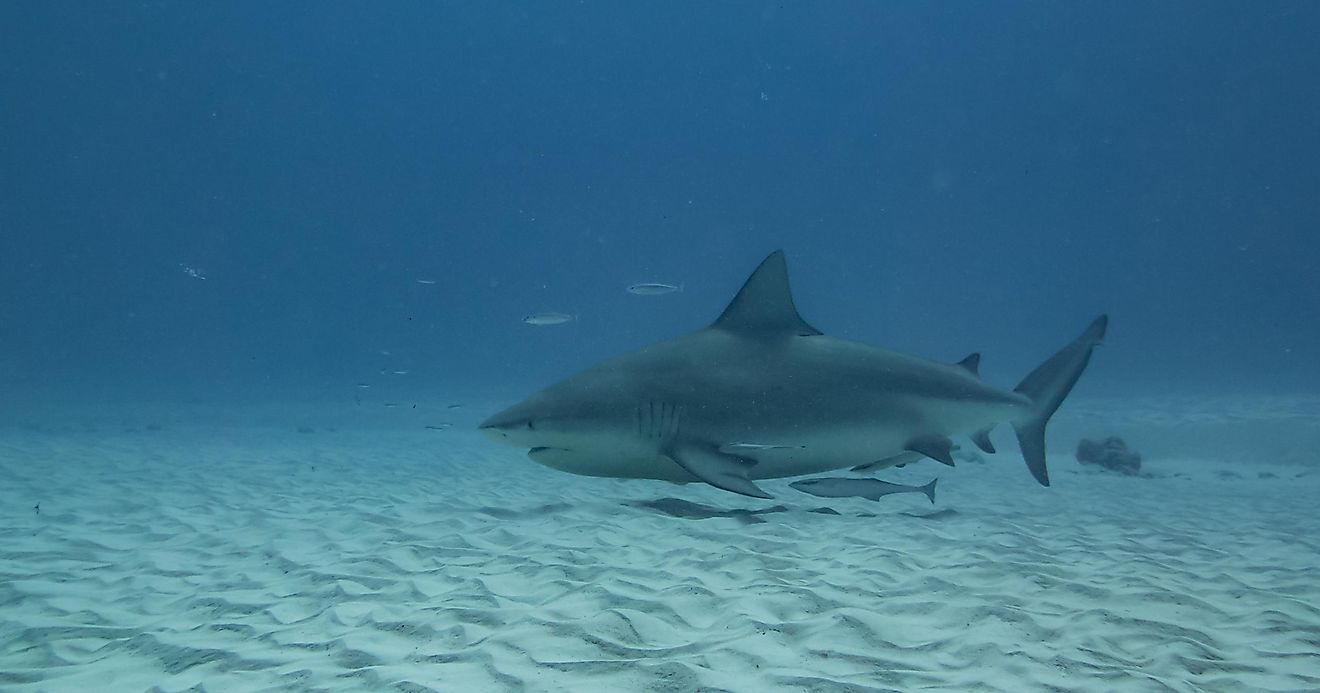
<point>539,511</point>
<point>687,510</point>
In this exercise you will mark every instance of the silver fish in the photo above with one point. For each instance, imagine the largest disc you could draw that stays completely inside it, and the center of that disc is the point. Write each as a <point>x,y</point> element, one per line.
<point>871,489</point>
<point>653,289</point>
<point>550,318</point>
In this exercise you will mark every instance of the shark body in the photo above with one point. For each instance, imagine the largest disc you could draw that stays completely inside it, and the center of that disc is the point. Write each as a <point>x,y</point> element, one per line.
<point>760,394</point>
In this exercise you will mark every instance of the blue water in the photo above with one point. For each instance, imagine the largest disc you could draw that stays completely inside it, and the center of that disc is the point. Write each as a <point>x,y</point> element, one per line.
<point>218,218</point>
<point>944,177</point>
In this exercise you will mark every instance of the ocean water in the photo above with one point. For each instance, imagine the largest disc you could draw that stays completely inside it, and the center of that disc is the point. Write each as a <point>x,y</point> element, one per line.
<point>265,268</point>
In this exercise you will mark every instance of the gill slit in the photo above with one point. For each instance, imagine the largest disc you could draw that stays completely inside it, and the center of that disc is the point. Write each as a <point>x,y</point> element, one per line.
<point>657,420</point>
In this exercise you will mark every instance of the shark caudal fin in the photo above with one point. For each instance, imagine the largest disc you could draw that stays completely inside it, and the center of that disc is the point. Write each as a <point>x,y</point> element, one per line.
<point>929,489</point>
<point>1046,387</point>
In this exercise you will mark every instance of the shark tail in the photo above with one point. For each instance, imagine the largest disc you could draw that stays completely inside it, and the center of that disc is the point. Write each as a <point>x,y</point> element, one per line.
<point>929,489</point>
<point>1046,387</point>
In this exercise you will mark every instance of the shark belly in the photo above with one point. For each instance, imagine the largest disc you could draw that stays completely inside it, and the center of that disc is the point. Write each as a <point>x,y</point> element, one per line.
<point>802,446</point>
<point>617,459</point>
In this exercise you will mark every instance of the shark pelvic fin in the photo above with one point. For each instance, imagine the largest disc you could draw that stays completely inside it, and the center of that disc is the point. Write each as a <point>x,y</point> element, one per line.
<point>764,306</point>
<point>936,447</point>
<point>1046,387</point>
<point>717,469</point>
<point>982,440</point>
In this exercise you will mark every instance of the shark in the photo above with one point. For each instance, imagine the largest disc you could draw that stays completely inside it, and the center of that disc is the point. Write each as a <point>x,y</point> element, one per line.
<point>761,394</point>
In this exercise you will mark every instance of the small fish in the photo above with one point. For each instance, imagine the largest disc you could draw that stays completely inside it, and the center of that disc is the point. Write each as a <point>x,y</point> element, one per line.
<point>550,318</point>
<point>363,386</point>
<point>871,489</point>
<point>427,282</point>
<point>399,372</point>
<point>391,405</point>
<point>454,406</point>
<point>653,289</point>
<point>441,427</point>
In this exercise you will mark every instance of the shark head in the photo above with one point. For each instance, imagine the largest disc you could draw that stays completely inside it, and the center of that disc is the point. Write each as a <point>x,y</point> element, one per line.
<point>578,425</point>
<point>549,419</point>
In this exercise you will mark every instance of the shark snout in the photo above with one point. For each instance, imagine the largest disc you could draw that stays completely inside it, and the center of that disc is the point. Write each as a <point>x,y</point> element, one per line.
<point>526,427</point>
<point>494,433</point>
<point>506,425</point>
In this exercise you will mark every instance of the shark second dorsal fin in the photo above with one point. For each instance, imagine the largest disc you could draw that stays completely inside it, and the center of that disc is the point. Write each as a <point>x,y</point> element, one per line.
<point>972,364</point>
<point>764,306</point>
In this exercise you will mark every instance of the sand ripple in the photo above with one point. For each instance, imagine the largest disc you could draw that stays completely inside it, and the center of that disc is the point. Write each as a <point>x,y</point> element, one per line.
<point>262,560</point>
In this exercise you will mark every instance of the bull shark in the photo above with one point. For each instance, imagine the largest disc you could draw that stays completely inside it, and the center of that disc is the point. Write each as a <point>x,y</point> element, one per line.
<point>761,394</point>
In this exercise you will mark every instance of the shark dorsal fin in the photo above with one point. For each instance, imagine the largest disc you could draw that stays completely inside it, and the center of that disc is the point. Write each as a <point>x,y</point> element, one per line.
<point>764,306</point>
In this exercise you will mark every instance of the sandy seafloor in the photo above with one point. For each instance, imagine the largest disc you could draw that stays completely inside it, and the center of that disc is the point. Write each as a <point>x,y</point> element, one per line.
<point>224,551</point>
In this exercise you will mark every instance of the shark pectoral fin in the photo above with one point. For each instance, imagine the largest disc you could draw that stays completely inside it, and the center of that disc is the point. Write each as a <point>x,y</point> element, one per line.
<point>717,469</point>
<point>982,440</point>
<point>938,448</point>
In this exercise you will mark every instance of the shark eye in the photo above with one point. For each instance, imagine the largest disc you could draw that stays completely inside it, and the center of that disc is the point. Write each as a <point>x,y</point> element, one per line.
<point>531,426</point>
